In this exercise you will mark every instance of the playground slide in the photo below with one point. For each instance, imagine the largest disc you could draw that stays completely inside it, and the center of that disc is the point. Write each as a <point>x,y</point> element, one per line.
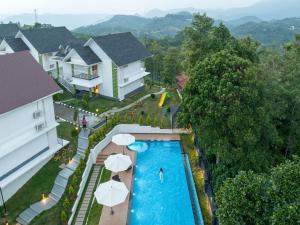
<point>162,99</point>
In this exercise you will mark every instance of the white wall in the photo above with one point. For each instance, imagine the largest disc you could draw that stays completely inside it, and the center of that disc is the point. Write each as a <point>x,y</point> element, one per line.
<point>19,139</point>
<point>5,48</point>
<point>130,88</point>
<point>105,70</point>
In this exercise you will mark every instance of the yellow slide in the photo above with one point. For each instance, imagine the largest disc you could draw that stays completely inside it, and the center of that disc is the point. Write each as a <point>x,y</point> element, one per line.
<point>162,99</point>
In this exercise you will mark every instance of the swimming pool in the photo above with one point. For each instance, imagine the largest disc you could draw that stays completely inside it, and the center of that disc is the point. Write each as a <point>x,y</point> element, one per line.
<point>156,203</point>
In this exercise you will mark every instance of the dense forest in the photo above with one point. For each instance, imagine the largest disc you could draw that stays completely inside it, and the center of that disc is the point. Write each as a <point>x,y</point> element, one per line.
<point>243,102</point>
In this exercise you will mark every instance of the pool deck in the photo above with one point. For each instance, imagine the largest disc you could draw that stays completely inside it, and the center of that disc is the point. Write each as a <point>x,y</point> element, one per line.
<point>121,211</point>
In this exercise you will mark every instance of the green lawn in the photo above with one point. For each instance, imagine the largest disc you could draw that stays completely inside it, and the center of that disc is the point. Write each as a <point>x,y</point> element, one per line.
<point>150,107</point>
<point>96,209</point>
<point>43,180</point>
<point>198,174</point>
<point>104,104</point>
<point>32,191</point>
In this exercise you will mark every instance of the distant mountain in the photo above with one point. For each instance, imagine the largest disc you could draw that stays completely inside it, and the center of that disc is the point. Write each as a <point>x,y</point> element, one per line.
<point>264,9</point>
<point>71,21</point>
<point>275,32</point>
<point>242,20</point>
<point>157,27</point>
<point>161,13</point>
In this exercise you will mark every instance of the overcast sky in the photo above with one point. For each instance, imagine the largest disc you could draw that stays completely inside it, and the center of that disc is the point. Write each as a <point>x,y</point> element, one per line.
<point>112,6</point>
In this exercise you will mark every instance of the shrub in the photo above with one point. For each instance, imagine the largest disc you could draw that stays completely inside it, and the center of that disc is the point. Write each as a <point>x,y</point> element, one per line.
<point>155,122</point>
<point>71,192</point>
<point>140,120</point>
<point>118,118</point>
<point>132,118</point>
<point>142,112</point>
<point>63,217</point>
<point>168,109</point>
<point>66,204</point>
<point>148,120</point>
<point>75,116</point>
<point>152,96</point>
<point>125,118</point>
<point>74,181</point>
<point>161,124</point>
<point>85,104</point>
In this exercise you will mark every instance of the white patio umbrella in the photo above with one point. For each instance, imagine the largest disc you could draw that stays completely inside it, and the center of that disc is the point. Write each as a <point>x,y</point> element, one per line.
<point>123,139</point>
<point>117,163</point>
<point>111,193</point>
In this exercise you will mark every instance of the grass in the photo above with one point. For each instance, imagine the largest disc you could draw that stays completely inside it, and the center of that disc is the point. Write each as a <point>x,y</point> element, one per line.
<point>150,107</point>
<point>104,104</point>
<point>32,191</point>
<point>42,182</point>
<point>96,209</point>
<point>198,174</point>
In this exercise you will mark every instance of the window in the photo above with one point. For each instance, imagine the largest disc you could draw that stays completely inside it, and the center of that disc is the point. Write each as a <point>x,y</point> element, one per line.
<point>126,80</point>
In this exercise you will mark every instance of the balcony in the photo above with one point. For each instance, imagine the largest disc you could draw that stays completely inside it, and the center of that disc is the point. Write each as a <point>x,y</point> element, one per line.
<point>85,76</point>
<point>128,79</point>
<point>86,80</point>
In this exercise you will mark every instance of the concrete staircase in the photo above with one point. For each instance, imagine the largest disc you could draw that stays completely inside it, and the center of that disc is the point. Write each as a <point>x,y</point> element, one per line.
<point>60,183</point>
<point>88,196</point>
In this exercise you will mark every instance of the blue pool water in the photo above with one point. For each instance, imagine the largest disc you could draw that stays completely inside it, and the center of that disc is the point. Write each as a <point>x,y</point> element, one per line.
<point>156,203</point>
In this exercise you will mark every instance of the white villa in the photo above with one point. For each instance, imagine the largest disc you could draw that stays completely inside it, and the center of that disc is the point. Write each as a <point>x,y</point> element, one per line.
<point>42,43</point>
<point>110,65</point>
<point>28,137</point>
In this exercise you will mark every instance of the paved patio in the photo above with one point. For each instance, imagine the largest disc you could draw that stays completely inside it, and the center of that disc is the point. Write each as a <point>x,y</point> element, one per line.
<point>121,211</point>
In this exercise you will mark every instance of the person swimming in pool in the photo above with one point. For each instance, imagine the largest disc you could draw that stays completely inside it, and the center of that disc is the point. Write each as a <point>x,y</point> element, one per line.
<point>161,175</point>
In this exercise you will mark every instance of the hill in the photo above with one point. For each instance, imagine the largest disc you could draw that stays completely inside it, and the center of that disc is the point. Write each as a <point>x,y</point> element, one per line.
<point>157,27</point>
<point>275,32</point>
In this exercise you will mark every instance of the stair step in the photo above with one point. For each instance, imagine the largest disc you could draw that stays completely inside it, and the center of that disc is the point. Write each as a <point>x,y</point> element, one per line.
<point>66,173</point>
<point>58,190</point>
<point>28,215</point>
<point>61,181</point>
<point>21,221</point>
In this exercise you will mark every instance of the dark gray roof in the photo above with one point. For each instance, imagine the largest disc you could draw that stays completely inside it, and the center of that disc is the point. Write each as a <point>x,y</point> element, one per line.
<point>88,56</point>
<point>22,81</point>
<point>122,48</point>
<point>65,49</point>
<point>47,40</point>
<point>8,30</point>
<point>16,44</point>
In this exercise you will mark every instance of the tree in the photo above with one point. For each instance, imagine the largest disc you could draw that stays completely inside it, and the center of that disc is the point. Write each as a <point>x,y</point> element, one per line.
<point>224,103</point>
<point>272,198</point>
<point>172,65</point>
<point>243,201</point>
<point>201,39</point>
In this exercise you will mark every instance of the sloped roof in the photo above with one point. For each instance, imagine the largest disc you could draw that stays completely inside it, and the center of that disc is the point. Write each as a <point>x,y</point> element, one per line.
<point>23,81</point>
<point>47,40</point>
<point>88,56</point>
<point>16,44</point>
<point>122,48</point>
<point>8,30</point>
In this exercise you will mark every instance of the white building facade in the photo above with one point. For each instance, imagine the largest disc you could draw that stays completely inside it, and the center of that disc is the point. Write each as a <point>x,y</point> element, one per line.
<point>28,136</point>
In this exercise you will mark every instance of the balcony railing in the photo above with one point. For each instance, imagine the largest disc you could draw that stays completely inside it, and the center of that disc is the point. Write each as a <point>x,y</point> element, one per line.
<point>85,76</point>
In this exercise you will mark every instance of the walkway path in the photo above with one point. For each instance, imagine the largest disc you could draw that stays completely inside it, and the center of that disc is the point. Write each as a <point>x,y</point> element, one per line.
<point>88,196</point>
<point>60,183</point>
<point>67,113</point>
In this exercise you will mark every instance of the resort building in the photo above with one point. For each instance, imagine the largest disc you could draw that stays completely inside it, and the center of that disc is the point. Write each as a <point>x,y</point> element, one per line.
<point>110,65</point>
<point>28,137</point>
<point>42,43</point>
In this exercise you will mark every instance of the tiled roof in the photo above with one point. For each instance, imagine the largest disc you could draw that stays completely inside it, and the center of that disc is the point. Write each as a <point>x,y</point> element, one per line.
<point>16,44</point>
<point>122,48</point>
<point>22,81</point>
<point>47,40</point>
<point>8,30</point>
<point>88,56</point>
